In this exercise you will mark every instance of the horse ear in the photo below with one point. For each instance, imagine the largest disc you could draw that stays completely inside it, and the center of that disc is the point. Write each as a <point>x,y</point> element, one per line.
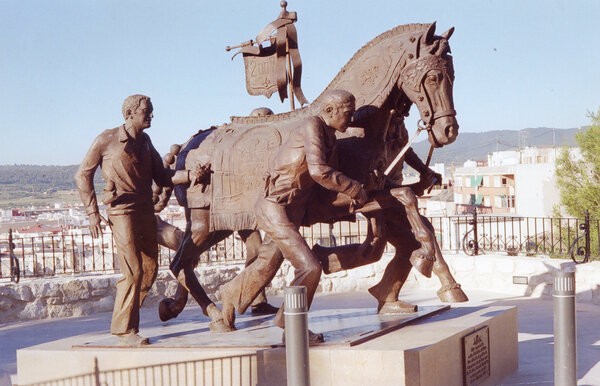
<point>446,35</point>
<point>429,34</point>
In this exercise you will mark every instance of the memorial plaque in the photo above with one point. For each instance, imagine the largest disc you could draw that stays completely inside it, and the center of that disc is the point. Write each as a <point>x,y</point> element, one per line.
<point>476,356</point>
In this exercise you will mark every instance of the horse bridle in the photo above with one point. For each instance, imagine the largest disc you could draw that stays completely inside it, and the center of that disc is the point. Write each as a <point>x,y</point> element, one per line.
<point>413,75</point>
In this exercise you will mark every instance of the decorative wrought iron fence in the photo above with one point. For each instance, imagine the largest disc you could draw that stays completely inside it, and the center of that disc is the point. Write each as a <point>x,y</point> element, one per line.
<point>78,253</point>
<point>557,237</point>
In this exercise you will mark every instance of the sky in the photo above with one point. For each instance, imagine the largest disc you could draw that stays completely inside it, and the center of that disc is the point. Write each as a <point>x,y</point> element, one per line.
<point>67,65</point>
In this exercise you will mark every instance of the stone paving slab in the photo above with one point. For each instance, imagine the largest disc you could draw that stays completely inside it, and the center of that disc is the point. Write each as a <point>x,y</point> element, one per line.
<point>347,327</point>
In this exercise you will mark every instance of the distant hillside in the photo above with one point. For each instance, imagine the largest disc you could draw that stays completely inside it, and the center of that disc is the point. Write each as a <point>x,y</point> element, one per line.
<point>38,178</point>
<point>476,146</point>
<point>23,185</point>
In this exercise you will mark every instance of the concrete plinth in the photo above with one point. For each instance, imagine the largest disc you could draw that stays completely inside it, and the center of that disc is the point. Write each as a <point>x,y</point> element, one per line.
<point>361,348</point>
<point>429,352</point>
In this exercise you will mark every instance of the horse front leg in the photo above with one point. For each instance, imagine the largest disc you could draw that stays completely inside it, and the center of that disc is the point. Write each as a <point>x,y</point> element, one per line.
<point>423,257</point>
<point>403,240</point>
<point>395,274</point>
<point>450,292</point>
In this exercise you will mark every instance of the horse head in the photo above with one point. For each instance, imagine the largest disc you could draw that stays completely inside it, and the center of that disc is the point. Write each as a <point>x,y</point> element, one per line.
<point>427,80</point>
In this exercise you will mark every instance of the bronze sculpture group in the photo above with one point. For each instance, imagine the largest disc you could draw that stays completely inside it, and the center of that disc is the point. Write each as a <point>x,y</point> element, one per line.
<point>277,172</point>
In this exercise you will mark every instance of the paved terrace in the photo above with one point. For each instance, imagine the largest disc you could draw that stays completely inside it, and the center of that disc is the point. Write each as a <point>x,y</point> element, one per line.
<point>535,331</point>
<point>487,279</point>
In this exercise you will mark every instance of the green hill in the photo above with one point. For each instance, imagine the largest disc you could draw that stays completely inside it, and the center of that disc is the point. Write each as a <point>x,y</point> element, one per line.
<point>476,146</point>
<point>25,185</point>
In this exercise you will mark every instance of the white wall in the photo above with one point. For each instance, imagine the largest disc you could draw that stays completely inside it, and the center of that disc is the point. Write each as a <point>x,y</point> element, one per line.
<point>536,192</point>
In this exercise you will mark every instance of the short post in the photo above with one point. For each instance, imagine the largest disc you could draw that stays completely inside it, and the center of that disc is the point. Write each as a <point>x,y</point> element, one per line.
<point>565,337</point>
<point>296,336</point>
<point>587,236</point>
<point>475,235</point>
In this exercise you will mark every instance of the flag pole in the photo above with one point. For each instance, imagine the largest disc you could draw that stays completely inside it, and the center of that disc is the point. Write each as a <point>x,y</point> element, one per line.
<point>289,73</point>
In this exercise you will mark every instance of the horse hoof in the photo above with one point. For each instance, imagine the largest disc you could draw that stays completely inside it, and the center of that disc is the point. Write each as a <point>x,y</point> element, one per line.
<point>164,309</point>
<point>313,338</point>
<point>220,326</point>
<point>227,308</point>
<point>396,308</point>
<point>421,264</point>
<point>452,293</point>
<point>264,309</point>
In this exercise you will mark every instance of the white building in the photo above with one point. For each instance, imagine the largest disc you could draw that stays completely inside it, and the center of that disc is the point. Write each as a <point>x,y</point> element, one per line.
<point>513,182</point>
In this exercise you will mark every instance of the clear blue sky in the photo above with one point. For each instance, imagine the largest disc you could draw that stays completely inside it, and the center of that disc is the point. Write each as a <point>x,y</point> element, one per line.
<point>67,65</point>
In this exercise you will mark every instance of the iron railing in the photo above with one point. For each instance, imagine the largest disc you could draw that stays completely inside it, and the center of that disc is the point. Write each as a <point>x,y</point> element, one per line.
<point>226,371</point>
<point>555,237</point>
<point>78,253</point>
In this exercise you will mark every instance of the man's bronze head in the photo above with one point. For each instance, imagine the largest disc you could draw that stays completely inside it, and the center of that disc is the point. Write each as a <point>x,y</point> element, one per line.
<point>138,111</point>
<point>131,104</point>
<point>337,109</point>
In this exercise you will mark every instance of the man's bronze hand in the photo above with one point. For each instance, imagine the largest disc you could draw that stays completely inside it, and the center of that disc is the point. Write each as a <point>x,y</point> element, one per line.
<point>359,200</point>
<point>95,228</point>
<point>427,179</point>
<point>201,176</point>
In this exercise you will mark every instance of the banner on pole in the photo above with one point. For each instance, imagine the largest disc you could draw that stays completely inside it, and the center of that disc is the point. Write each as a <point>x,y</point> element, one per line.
<point>276,66</point>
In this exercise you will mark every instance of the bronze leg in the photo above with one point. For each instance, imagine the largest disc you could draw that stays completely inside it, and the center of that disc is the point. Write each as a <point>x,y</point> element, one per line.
<point>349,256</point>
<point>253,241</point>
<point>275,220</point>
<point>134,235</point>
<point>197,239</point>
<point>239,293</point>
<point>171,237</point>
<point>388,289</point>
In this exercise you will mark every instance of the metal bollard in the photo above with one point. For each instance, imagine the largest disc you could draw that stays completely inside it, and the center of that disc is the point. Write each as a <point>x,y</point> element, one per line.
<point>296,336</point>
<point>565,336</point>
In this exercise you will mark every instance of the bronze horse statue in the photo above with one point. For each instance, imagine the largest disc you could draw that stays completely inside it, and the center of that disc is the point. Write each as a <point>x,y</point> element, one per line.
<point>406,65</point>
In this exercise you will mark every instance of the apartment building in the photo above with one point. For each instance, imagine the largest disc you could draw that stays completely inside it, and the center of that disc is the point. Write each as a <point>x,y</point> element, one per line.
<point>511,182</point>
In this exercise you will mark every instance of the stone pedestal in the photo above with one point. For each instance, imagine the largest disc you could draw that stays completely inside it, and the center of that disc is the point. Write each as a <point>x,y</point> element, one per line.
<point>429,352</point>
<point>361,348</point>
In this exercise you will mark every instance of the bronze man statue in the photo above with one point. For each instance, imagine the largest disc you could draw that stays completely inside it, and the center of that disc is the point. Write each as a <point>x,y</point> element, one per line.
<point>129,164</point>
<point>301,162</point>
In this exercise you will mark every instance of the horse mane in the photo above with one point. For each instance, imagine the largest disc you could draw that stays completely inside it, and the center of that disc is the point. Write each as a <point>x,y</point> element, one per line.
<point>418,28</point>
<point>345,72</point>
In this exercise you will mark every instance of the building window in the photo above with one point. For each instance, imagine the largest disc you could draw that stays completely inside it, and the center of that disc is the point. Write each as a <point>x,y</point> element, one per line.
<point>472,199</point>
<point>511,201</point>
<point>475,199</point>
<point>476,181</point>
<point>504,180</point>
<point>487,201</point>
<point>507,201</point>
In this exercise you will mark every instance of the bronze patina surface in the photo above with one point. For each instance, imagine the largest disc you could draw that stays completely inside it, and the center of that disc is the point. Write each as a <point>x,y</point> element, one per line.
<point>406,65</point>
<point>130,164</point>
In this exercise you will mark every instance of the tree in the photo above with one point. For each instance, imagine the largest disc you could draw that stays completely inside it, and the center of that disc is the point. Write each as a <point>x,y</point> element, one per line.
<point>578,178</point>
